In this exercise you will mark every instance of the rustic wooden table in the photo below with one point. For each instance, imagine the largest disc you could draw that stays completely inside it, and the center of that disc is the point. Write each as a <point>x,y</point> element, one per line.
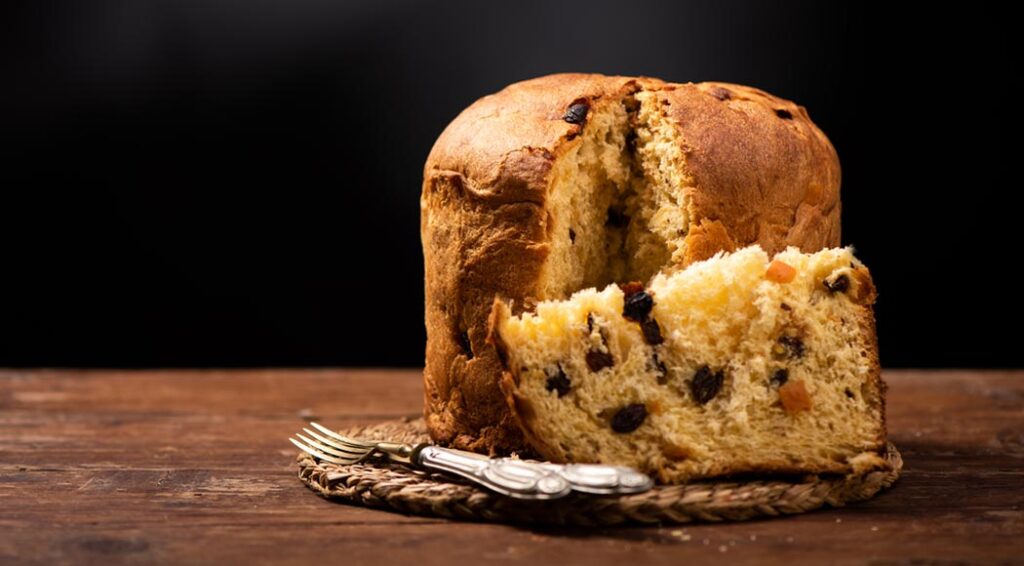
<point>194,467</point>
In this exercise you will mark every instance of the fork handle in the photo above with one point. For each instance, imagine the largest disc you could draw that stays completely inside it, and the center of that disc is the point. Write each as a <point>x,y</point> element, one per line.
<point>508,476</point>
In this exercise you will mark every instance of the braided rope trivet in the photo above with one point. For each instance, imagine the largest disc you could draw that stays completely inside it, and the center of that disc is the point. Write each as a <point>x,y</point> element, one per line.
<point>423,493</point>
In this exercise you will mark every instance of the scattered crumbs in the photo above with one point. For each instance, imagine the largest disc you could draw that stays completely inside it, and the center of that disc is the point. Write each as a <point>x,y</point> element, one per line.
<point>789,539</point>
<point>874,528</point>
<point>732,543</point>
<point>677,533</point>
<point>753,537</point>
<point>706,542</point>
<point>917,433</point>
<point>723,548</point>
<point>686,537</point>
<point>839,520</point>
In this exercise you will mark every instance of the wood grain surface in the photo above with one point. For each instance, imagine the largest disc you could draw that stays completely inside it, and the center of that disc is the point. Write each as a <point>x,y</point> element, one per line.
<point>194,467</point>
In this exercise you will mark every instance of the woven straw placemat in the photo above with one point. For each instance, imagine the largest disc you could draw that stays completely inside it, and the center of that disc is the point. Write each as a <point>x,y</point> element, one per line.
<point>401,488</point>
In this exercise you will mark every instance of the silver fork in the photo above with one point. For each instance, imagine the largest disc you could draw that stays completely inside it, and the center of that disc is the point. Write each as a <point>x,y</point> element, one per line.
<point>339,449</point>
<point>521,479</point>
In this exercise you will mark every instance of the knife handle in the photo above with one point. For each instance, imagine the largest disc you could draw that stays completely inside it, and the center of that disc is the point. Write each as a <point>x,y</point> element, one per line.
<point>508,476</point>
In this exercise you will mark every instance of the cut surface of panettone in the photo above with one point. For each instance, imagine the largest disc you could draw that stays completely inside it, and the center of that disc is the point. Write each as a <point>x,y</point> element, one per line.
<point>737,364</point>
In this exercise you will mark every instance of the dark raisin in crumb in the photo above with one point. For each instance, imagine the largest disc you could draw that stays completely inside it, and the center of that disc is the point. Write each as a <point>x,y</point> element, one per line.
<point>559,382</point>
<point>577,113</point>
<point>616,218</point>
<point>785,307</point>
<point>598,360</point>
<point>637,306</point>
<point>706,384</point>
<point>467,347</point>
<point>590,322</point>
<point>572,235</point>
<point>652,332</point>
<point>840,284</point>
<point>629,418</point>
<point>849,394</point>
<point>659,369</point>
<point>631,288</point>
<point>784,114</point>
<point>792,346</point>
<point>721,93</point>
<point>780,377</point>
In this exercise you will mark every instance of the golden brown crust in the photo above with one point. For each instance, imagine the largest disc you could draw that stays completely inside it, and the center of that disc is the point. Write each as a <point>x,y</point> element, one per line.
<point>865,295</point>
<point>763,172</point>
<point>760,178</point>
<point>521,410</point>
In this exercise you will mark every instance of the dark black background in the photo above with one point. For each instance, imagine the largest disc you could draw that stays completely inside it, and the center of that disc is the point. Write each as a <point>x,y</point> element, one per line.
<point>208,183</point>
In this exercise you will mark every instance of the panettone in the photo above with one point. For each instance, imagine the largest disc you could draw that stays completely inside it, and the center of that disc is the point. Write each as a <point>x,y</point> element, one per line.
<point>572,181</point>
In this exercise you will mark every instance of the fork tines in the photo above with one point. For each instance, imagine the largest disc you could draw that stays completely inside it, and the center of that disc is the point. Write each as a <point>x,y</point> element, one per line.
<point>333,447</point>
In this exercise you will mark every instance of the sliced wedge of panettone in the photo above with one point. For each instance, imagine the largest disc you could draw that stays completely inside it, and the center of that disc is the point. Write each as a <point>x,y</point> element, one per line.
<point>740,363</point>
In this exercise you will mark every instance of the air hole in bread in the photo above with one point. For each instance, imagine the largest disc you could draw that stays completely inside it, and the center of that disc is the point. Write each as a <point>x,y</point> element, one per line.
<point>465,344</point>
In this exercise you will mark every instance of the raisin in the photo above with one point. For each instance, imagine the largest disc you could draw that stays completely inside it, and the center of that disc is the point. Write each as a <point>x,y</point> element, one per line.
<point>840,284</point>
<point>577,113</point>
<point>558,382</point>
<point>598,360</point>
<point>572,235</point>
<point>780,377</point>
<point>590,322</point>
<point>789,347</point>
<point>652,332</point>
<point>629,418</point>
<point>467,347</point>
<point>631,288</point>
<point>637,306</point>
<point>721,93</point>
<point>784,114</point>
<point>706,384</point>
<point>849,393</point>
<point>785,307</point>
<point>660,369</point>
<point>616,218</point>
